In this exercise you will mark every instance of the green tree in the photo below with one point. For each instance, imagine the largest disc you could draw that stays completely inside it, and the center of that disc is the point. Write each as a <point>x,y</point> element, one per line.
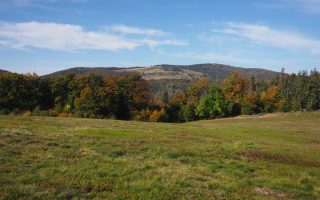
<point>23,92</point>
<point>121,101</point>
<point>60,89</point>
<point>313,99</point>
<point>86,102</point>
<point>197,90</point>
<point>253,84</point>
<point>189,113</point>
<point>174,108</point>
<point>213,105</point>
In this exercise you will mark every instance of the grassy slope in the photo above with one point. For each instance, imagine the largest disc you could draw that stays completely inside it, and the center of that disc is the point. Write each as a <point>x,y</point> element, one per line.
<point>270,157</point>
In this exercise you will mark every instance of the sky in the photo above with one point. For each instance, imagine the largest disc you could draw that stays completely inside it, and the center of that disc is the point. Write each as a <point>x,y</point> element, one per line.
<point>44,36</point>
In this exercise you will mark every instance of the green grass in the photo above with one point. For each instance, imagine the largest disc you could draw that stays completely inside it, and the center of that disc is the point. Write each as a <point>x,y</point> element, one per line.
<point>270,157</point>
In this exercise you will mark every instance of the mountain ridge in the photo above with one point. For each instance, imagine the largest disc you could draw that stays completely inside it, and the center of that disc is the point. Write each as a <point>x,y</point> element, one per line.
<point>173,72</point>
<point>4,71</point>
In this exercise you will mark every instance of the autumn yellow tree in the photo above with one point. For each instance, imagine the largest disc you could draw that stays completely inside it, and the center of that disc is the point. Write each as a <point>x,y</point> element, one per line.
<point>141,94</point>
<point>251,104</point>
<point>270,98</point>
<point>235,88</point>
<point>197,90</point>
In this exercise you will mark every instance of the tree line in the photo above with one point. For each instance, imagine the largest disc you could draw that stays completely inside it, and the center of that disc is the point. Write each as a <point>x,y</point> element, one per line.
<point>129,97</point>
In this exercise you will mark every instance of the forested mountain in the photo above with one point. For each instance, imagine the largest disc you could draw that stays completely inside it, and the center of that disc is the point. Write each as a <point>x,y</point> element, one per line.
<point>172,78</point>
<point>101,71</point>
<point>219,71</point>
<point>174,72</point>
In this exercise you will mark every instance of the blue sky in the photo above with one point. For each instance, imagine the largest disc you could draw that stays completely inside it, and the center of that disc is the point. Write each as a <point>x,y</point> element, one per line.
<point>44,36</point>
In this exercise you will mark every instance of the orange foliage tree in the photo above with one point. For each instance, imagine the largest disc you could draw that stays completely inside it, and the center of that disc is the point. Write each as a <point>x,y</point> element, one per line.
<point>235,88</point>
<point>270,98</point>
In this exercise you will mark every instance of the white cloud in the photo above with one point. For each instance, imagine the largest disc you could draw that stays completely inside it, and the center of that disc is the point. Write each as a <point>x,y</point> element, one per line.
<point>310,6</point>
<point>265,35</point>
<point>306,6</point>
<point>135,30</point>
<point>59,37</point>
<point>154,43</point>
<point>68,37</point>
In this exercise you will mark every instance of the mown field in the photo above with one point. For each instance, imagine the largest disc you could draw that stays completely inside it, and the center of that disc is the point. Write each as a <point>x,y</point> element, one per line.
<point>268,157</point>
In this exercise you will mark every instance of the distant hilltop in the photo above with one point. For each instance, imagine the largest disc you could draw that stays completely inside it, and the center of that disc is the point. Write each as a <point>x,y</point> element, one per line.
<point>174,72</point>
<point>3,71</point>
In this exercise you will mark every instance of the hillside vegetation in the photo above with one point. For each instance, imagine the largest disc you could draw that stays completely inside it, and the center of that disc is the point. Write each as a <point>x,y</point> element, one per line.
<point>172,78</point>
<point>133,98</point>
<point>275,156</point>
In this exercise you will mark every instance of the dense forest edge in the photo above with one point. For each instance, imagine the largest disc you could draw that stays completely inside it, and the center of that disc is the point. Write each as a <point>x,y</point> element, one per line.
<point>129,97</point>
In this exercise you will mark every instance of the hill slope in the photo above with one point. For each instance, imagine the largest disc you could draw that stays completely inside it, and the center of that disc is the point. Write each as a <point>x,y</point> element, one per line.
<point>3,71</point>
<point>174,72</point>
<point>268,157</point>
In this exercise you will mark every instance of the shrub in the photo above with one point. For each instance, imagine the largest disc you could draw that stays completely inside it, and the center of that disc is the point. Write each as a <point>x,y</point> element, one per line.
<point>37,111</point>
<point>44,113</point>
<point>77,114</point>
<point>174,112</point>
<point>158,116</point>
<point>269,107</point>
<point>67,108</point>
<point>4,112</point>
<point>26,113</point>
<point>63,114</point>
<point>155,115</point>
<point>247,110</point>
<point>52,113</point>
<point>234,109</point>
<point>85,114</point>
<point>142,115</point>
<point>58,108</point>
<point>15,111</point>
<point>283,106</point>
<point>189,113</point>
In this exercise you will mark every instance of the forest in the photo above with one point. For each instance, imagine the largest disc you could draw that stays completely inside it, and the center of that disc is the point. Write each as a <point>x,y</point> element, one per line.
<point>130,97</point>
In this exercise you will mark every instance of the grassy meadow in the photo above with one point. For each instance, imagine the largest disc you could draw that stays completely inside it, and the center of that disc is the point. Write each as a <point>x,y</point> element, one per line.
<point>260,157</point>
